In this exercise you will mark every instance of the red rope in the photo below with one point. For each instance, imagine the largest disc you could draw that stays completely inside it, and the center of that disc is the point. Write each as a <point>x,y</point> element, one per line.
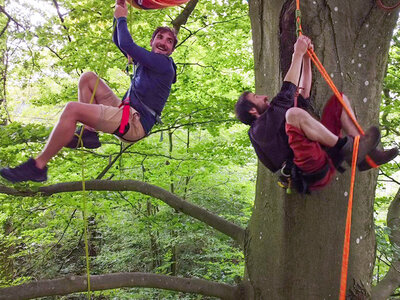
<point>387,8</point>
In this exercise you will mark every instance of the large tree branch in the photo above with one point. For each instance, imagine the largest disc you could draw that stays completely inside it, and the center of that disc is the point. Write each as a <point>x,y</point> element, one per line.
<point>391,281</point>
<point>184,16</point>
<point>73,284</point>
<point>230,229</point>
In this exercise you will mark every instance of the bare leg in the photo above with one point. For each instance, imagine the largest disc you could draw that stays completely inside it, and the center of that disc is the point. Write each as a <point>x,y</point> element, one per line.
<point>62,133</point>
<point>86,85</point>
<point>312,129</point>
<point>347,124</point>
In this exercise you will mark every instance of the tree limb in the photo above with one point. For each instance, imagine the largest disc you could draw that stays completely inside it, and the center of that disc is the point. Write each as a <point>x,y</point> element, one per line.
<point>73,284</point>
<point>230,229</point>
<point>61,19</point>
<point>391,281</point>
<point>9,17</point>
<point>5,27</point>
<point>184,16</point>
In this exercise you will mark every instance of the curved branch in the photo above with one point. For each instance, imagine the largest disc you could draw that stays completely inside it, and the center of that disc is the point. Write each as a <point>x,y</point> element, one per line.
<point>73,284</point>
<point>230,229</point>
<point>184,16</point>
<point>391,281</point>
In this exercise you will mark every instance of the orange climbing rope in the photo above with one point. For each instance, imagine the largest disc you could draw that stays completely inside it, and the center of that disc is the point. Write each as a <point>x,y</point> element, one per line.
<point>346,244</point>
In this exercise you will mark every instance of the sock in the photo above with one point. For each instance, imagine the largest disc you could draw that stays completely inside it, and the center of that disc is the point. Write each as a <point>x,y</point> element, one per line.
<point>339,144</point>
<point>333,153</point>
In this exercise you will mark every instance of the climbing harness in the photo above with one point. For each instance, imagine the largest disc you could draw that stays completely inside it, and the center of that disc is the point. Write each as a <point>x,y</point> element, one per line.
<point>293,177</point>
<point>321,69</point>
<point>124,125</point>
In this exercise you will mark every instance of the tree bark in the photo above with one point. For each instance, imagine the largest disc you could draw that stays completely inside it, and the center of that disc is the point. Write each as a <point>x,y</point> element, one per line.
<point>230,229</point>
<point>74,284</point>
<point>294,244</point>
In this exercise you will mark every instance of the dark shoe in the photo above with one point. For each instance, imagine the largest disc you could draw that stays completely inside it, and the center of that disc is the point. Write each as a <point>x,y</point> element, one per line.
<point>26,171</point>
<point>90,139</point>
<point>368,142</point>
<point>380,157</point>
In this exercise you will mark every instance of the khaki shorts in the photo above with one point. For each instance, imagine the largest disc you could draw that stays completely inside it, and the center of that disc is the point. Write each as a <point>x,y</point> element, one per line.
<point>110,119</point>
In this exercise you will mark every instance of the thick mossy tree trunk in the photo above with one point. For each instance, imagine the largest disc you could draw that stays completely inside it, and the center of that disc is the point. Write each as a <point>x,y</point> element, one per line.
<point>294,243</point>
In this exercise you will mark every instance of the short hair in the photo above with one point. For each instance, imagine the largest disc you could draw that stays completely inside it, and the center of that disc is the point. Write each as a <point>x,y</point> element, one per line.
<point>243,107</point>
<point>165,29</point>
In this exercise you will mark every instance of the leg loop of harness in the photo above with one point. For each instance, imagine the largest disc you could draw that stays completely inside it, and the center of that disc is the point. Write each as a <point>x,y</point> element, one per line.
<point>293,177</point>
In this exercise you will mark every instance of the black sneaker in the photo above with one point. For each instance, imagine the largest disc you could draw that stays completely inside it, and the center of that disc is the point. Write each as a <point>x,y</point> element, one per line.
<point>90,139</point>
<point>24,172</point>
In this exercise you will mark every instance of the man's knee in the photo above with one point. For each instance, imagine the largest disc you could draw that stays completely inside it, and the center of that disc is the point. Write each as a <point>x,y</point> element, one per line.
<point>295,115</point>
<point>70,111</point>
<point>87,79</point>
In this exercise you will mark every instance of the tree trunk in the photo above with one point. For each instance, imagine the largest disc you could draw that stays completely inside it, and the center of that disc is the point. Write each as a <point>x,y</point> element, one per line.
<point>4,23</point>
<point>6,252</point>
<point>294,243</point>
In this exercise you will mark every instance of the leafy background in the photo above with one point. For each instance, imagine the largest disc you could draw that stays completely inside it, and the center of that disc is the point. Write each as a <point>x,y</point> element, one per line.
<point>200,153</point>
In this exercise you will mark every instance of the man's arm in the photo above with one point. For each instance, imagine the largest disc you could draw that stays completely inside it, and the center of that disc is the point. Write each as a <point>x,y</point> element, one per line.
<point>300,48</point>
<point>306,76</point>
<point>115,36</point>
<point>156,62</point>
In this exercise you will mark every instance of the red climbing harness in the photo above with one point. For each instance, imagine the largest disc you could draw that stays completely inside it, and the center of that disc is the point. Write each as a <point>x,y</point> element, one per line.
<point>155,4</point>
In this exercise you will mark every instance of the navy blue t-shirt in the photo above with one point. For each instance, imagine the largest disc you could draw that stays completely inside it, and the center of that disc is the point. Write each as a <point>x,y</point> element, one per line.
<point>155,73</point>
<point>268,133</point>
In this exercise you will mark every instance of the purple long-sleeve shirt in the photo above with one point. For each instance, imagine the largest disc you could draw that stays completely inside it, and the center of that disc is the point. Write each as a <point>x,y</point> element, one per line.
<point>155,73</point>
<point>267,133</point>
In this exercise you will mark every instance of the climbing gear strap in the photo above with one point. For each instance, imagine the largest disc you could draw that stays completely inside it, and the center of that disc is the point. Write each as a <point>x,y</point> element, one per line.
<point>293,177</point>
<point>299,30</point>
<point>346,244</point>
<point>125,116</point>
<point>84,213</point>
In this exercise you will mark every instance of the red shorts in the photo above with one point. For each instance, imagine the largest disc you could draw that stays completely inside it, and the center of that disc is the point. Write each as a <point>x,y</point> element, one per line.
<point>309,155</point>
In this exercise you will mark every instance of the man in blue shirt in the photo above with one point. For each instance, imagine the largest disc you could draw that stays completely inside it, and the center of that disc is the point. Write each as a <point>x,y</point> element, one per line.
<point>131,121</point>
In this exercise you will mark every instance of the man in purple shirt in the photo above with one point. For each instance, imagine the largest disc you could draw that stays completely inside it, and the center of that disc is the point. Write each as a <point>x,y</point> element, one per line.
<point>142,104</point>
<point>289,139</point>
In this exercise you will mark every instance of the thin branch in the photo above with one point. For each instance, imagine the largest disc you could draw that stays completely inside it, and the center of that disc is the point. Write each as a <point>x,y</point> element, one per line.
<point>391,178</point>
<point>74,284</point>
<point>10,18</point>
<point>192,124</point>
<point>207,25</point>
<point>61,19</point>
<point>5,27</point>
<point>197,64</point>
<point>228,228</point>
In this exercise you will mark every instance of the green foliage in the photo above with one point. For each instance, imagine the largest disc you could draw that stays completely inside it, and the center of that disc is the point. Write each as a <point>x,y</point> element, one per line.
<point>388,183</point>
